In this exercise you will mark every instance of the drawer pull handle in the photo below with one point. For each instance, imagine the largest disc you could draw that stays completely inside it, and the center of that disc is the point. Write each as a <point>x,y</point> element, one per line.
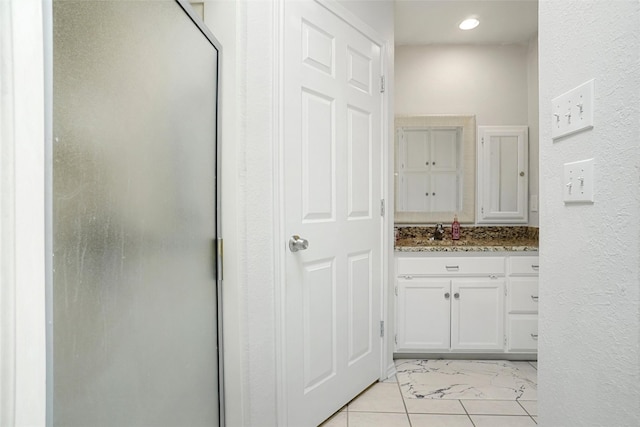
<point>447,295</point>
<point>534,336</point>
<point>456,295</point>
<point>453,267</point>
<point>534,297</point>
<point>535,266</point>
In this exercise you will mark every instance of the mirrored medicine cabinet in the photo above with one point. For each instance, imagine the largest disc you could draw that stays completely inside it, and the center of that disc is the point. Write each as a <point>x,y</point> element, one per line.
<point>435,168</point>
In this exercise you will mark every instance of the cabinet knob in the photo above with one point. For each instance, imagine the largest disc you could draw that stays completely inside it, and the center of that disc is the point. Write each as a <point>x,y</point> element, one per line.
<point>447,295</point>
<point>456,295</point>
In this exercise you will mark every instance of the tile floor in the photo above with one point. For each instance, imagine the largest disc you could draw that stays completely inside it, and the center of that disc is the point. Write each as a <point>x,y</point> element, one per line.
<point>447,393</point>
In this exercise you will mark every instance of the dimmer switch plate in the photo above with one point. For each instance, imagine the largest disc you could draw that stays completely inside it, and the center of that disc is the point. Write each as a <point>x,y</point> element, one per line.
<point>578,181</point>
<point>573,111</point>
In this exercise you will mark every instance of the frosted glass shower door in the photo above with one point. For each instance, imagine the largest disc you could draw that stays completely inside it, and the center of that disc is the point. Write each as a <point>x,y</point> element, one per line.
<point>134,297</point>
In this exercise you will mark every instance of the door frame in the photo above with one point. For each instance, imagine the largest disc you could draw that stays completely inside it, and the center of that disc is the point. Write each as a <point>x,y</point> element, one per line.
<point>280,247</point>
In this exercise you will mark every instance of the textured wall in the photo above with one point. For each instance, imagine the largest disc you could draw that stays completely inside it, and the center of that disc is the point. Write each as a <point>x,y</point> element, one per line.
<point>589,367</point>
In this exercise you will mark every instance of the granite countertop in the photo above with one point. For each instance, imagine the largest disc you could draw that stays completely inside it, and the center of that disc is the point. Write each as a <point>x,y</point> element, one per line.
<point>472,239</point>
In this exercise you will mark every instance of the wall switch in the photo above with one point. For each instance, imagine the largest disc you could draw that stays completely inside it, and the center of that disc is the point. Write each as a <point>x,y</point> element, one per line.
<point>578,181</point>
<point>573,111</point>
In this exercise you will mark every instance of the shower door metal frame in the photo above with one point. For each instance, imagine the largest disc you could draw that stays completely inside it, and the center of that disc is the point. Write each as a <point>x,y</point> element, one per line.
<point>47,12</point>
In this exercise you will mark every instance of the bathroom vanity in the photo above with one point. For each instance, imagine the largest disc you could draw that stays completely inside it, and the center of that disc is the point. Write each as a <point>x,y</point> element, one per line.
<point>474,296</point>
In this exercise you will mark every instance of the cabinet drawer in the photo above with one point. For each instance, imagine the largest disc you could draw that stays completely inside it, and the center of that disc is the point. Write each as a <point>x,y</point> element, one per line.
<point>424,266</point>
<point>523,333</point>
<point>522,295</point>
<point>524,265</point>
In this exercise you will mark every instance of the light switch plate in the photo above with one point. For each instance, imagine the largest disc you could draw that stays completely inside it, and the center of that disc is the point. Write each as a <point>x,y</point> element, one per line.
<point>578,182</point>
<point>573,111</point>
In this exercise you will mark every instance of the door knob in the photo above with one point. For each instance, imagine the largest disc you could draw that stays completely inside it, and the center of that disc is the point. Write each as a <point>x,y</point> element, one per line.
<point>297,243</point>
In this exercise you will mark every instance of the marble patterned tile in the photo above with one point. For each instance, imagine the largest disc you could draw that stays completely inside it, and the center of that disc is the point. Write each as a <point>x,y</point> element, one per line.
<point>466,379</point>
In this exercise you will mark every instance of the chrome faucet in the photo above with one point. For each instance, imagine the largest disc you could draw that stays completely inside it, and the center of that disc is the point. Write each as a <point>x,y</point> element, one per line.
<point>438,233</point>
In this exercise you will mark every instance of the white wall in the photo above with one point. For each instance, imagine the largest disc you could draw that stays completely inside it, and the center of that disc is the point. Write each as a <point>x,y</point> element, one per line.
<point>498,84</point>
<point>22,261</point>
<point>488,81</point>
<point>589,355</point>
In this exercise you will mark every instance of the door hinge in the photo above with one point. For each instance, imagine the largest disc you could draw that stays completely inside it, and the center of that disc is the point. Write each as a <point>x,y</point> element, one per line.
<point>505,340</point>
<point>482,140</point>
<point>218,243</point>
<point>381,328</point>
<point>382,88</point>
<point>395,338</point>
<point>482,209</point>
<point>396,291</point>
<point>505,291</point>
<point>382,207</point>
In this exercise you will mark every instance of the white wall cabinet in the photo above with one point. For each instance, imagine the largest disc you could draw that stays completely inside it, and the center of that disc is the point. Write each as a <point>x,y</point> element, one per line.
<point>428,169</point>
<point>466,304</point>
<point>503,174</point>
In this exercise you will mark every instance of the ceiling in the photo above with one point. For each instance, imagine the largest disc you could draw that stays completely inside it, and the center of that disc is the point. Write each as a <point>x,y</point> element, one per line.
<point>419,22</point>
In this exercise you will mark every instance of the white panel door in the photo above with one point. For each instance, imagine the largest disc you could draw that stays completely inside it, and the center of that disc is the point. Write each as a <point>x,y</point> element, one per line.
<point>332,188</point>
<point>477,314</point>
<point>423,314</point>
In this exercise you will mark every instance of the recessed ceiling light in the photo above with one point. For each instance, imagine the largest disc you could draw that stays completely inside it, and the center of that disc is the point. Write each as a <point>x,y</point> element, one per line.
<point>469,24</point>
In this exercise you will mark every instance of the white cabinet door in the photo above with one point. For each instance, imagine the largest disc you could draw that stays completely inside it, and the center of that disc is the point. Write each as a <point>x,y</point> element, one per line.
<point>522,295</point>
<point>428,169</point>
<point>523,332</point>
<point>502,174</point>
<point>423,314</point>
<point>444,150</point>
<point>477,314</point>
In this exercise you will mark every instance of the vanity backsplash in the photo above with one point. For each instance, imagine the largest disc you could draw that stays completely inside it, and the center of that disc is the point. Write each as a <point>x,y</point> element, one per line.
<point>478,238</point>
